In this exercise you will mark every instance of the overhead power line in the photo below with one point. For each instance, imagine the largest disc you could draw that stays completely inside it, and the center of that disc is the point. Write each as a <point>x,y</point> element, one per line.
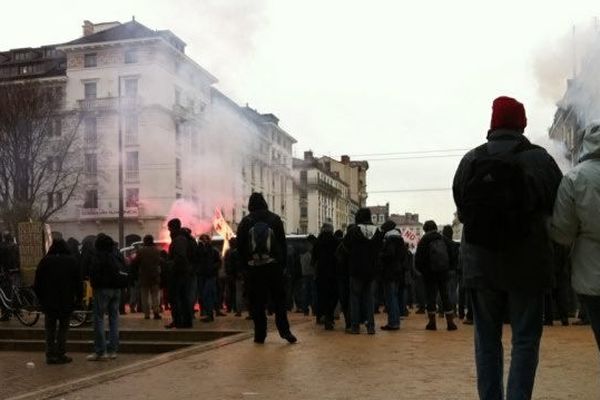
<point>407,152</point>
<point>410,190</point>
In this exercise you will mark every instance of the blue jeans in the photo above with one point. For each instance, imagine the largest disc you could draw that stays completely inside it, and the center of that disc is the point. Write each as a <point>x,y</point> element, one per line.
<point>106,301</point>
<point>592,308</point>
<point>526,313</point>
<point>309,291</point>
<point>362,302</point>
<point>391,303</point>
<point>209,296</point>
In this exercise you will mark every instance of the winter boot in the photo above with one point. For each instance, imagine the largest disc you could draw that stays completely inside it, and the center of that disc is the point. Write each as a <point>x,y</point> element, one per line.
<point>431,326</point>
<point>450,321</point>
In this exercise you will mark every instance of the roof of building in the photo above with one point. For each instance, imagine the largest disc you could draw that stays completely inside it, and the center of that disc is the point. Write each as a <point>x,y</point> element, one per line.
<point>128,30</point>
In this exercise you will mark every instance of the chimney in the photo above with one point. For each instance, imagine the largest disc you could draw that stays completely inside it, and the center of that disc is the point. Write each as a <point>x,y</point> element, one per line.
<point>308,155</point>
<point>345,159</point>
<point>88,28</point>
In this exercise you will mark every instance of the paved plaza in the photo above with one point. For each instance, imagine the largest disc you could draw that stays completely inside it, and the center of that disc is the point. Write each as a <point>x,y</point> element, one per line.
<point>408,364</point>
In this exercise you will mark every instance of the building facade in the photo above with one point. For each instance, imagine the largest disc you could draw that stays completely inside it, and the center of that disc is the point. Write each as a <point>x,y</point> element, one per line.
<point>144,104</point>
<point>380,214</point>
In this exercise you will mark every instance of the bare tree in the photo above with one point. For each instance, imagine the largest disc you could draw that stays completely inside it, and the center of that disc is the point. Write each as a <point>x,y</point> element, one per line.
<point>40,158</point>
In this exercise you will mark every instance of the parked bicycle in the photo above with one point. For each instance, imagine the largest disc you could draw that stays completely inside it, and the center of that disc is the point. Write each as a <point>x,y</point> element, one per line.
<point>19,301</point>
<point>82,314</point>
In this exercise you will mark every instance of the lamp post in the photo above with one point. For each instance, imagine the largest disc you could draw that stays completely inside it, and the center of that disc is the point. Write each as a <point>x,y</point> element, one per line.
<point>120,179</point>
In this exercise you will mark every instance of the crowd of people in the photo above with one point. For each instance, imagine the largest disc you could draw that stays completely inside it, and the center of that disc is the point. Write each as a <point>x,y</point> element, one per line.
<point>529,232</point>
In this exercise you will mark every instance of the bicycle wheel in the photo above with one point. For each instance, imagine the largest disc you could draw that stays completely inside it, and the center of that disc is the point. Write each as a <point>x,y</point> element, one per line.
<point>78,318</point>
<point>26,306</point>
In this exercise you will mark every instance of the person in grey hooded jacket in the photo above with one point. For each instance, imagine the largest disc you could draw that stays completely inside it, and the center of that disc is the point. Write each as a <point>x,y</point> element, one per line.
<point>575,222</point>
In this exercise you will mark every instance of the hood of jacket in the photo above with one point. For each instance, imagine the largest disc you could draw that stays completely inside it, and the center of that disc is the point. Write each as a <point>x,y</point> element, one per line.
<point>257,203</point>
<point>363,216</point>
<point>591,144</point>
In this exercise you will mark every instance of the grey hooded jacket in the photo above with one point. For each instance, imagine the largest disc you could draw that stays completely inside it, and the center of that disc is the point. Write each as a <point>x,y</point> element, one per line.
<point>576,217</point>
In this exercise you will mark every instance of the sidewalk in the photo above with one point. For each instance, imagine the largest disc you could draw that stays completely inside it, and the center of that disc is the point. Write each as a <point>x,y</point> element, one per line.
<point>409,364</point>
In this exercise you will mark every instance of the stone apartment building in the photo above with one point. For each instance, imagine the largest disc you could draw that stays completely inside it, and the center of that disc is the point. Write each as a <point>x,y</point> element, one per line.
<point>380,214</point>
<point>408,221</point>
<point>181,138</point>
<point>322,196</point>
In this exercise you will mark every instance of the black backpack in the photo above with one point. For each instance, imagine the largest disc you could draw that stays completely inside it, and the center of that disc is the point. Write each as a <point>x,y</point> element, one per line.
<point>439,259</point>
<point>497,209</point>
<point>261,244</point>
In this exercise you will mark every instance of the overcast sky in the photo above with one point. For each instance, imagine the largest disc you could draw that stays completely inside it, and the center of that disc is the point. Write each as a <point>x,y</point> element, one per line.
<point>359,77</point>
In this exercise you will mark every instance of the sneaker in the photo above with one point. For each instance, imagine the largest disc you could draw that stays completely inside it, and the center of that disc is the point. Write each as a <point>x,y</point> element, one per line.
<point>51,360</point>
<point>112,356</point>
<point>290,338</point>
<point>97,357</point>
<point>352,331</point>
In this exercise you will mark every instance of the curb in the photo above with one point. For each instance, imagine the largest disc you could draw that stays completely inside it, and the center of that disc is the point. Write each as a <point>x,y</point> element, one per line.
<point>70,386</point>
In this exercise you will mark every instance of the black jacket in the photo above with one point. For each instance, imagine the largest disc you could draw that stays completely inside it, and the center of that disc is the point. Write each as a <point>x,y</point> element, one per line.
<point>323,256</point>
<point>528,265</point>
<point>210,261</point>
<point>180,255</point>
<point>259,212</point>
<point>104,271</point>
<point>363,243</point>
<point>58,284</point>
<point>422,263</point>
<point>393,253</point>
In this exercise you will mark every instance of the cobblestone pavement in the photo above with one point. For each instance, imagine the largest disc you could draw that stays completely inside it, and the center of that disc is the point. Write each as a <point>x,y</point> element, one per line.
<point>409,364</point>
<point>16,378</point>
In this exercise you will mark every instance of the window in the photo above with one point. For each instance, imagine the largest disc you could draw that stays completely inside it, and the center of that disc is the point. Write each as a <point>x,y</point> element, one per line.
<point>53,164</point>
<point>178,178</point>
<point>131,56</point>
<point>50,200</point>
<point>56,127</point>
<point>90,60</point>
<point>177,195</point>
<point>91,199</point>
<point>131,87</point>
<point>177,96</point>
<point>132,172</point>
<point>59,199</point>
<point>90,90</point>
<point>91,164</point>
<point>381,219</point>
<point>131,129</point>
<point>132,197</point>
<point>90,131</point>
<point>303,212</point>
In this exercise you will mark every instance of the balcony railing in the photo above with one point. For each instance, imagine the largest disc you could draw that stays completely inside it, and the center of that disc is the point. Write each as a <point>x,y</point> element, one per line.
<point>132,175</point>
<point>108,103</point>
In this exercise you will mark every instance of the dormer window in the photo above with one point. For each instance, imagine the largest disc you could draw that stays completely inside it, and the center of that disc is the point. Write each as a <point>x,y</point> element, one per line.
<point>131,56</point>
<point>90,60</point>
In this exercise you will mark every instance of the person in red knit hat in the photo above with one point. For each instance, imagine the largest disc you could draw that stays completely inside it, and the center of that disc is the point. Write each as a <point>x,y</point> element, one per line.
<point>504,190</point>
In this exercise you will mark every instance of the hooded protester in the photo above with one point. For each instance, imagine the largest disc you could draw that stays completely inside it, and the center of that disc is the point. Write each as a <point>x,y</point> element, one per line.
<point>209,262</point>
<point>393,254</point>
<point>362,243</point>
<point>323,258</point>
<point>59,288</point>
<point>433,260</point>
<point>263,249</point>
<point>107,281</point>
<point>504,190</point>
<point>575,222</point>
<point>307,267</point>
<point>343,280</point>
<point>180,290</point>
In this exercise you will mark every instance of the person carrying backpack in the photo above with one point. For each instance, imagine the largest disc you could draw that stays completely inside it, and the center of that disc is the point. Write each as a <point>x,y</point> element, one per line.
<point>504,190</point>
<point>262,247</point>
<point>432,260</point>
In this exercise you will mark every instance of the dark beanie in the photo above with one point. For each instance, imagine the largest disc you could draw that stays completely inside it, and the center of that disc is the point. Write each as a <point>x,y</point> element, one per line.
<point>508,113</point>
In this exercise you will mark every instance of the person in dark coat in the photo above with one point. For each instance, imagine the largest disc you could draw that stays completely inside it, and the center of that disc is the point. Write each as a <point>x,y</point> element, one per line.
<point>433,261</point>
<point>147,265</point>
<point>265,265</point>
<point>393,254</point>
<point>59,288</point>
<point>323,257</point>
<point>180,290</point>
<point>210,262</point>
<point>362,243</point>
<point>107,280</point>
<point>513,271</point>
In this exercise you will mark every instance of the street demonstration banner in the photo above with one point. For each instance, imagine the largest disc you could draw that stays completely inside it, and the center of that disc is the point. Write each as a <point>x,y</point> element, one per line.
<point>34,240</point>
<point>410,237</point>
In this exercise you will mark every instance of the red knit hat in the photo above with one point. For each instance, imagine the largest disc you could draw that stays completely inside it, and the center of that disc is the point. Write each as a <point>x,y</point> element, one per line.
<point>508,113</point>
